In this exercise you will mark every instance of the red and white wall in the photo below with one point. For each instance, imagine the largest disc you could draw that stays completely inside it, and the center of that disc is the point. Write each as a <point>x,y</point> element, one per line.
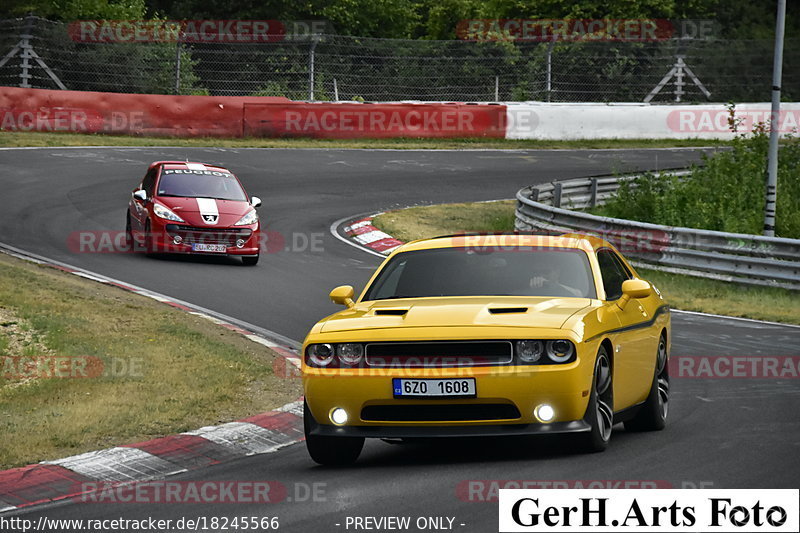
<point>639,121</point>
<point>241,116</point>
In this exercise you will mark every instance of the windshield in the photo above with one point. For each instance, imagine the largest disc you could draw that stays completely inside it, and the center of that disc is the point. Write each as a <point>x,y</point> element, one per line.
<point>560,272</point>
<point>200,184</point>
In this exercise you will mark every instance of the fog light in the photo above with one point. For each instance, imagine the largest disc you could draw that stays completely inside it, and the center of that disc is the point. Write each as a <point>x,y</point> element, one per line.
<point>544,413</point>
<point>240,243</point>
<point>339,416</point>
<point>177,239</point>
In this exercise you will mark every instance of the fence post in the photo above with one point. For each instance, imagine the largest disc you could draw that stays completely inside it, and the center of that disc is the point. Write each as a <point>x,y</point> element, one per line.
<point>178,65</point>
<point>311,53</point>
<point>25,52</point>
<point>534,194</point>
<point>556,194</point>
<point>497,88</point>
<point>549,83</point>
<point>335,90</point>
<point>593,192</point>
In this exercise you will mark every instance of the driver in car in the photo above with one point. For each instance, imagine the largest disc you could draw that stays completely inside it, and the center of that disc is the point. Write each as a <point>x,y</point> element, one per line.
<point>547,282</point>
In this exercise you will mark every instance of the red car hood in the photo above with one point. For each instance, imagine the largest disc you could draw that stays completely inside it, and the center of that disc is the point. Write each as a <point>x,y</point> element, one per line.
<point>195,210</point>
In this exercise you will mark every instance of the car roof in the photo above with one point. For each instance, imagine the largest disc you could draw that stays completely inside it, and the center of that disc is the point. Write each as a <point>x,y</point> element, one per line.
<point>188,165</point>
<point>579,241</point>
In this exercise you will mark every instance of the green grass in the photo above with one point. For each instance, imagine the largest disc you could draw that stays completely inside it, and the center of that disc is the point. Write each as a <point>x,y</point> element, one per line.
<point>173,371</point>
<point>724,194</point>
<point>723,298</point>
<point>683,292</point>
<point>21,139</point>
<point>433,220</point>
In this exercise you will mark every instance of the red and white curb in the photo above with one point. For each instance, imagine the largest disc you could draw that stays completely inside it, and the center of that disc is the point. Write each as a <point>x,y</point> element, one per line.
<point>365,234</point>
<point>156,459</point>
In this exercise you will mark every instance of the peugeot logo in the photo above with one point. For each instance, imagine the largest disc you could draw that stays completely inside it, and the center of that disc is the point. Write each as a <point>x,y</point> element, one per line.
<point>211,219</point>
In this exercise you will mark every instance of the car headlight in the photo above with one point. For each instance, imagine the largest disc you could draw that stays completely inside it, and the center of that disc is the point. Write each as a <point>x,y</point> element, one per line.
<point>350,353</point>
<point>319,355</point>
<point>165,213</point>
<point>560,351</point>
<point>530,351</point>
<point>250,218</point>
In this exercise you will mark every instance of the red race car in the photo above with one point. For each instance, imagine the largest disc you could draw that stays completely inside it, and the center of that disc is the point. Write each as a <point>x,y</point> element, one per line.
<point>183,207</point>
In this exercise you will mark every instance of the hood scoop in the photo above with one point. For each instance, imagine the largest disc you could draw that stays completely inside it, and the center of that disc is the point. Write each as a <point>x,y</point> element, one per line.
<point>507,310</point>
<point>390,312</point>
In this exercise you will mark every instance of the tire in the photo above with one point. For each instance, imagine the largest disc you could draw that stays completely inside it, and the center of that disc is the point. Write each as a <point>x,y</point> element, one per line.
<point>129,233</point>
<point>330,451</point>
<point>652,415</point>
<point>250,260</point>
<point>149,247</point>
<point>600,411</point>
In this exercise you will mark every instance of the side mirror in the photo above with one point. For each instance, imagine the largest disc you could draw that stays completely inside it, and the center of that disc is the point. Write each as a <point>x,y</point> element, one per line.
<point>255,201</point>
<point>343,295</point>
<point>636,288</point>
<point>140,195</point>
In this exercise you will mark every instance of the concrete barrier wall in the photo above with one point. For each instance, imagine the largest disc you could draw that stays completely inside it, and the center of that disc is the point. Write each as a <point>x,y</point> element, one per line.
<point>241,116</point>
<point>638,121</point>
<point>354,120</point>
<point>214,116</point>
<point>123,114</point>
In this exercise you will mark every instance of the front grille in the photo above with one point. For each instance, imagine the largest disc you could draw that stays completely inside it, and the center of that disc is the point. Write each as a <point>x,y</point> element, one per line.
<point>438,354</point>
<point>226,236</point>
<point>440,412</point>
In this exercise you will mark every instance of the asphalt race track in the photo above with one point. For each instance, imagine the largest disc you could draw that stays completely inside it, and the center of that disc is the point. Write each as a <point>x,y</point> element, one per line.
<point>722,433</point>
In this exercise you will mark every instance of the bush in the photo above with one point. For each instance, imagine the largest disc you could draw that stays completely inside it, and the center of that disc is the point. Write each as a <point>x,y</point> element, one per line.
<point>725,194</point>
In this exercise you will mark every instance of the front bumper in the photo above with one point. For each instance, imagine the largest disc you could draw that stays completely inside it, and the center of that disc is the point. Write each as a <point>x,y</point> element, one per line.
<point>564,387</point>
<point>163,239</point>
<point>389,432</point>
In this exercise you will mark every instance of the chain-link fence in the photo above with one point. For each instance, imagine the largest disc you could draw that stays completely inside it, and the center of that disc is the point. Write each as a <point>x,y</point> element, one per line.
<point>41,53</point>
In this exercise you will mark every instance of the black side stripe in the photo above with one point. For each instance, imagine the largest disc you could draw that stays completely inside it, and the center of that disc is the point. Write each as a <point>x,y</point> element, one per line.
<point>645,324</point>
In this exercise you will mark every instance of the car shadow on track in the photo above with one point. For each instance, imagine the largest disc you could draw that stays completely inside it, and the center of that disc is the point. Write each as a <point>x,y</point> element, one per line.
<point>420,452</point>
<point>222,260</point>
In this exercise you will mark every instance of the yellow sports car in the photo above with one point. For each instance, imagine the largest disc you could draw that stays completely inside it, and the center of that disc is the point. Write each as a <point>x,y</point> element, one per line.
<point>488,335</point>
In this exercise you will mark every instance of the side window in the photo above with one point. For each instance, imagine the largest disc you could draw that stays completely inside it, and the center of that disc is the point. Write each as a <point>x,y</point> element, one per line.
<point>622,265</point>
<point>612,272</point>
<point>148,181</point>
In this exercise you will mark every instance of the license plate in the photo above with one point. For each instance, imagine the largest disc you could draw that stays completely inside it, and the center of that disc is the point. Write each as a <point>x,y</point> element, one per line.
<point>215,248</point>
<point>433,388</point>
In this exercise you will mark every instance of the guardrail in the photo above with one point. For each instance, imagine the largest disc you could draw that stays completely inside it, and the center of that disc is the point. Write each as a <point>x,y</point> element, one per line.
<point>750,259</point>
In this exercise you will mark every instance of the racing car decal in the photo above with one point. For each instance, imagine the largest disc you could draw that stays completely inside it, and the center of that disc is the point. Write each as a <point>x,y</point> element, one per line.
<point>208,210</point>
